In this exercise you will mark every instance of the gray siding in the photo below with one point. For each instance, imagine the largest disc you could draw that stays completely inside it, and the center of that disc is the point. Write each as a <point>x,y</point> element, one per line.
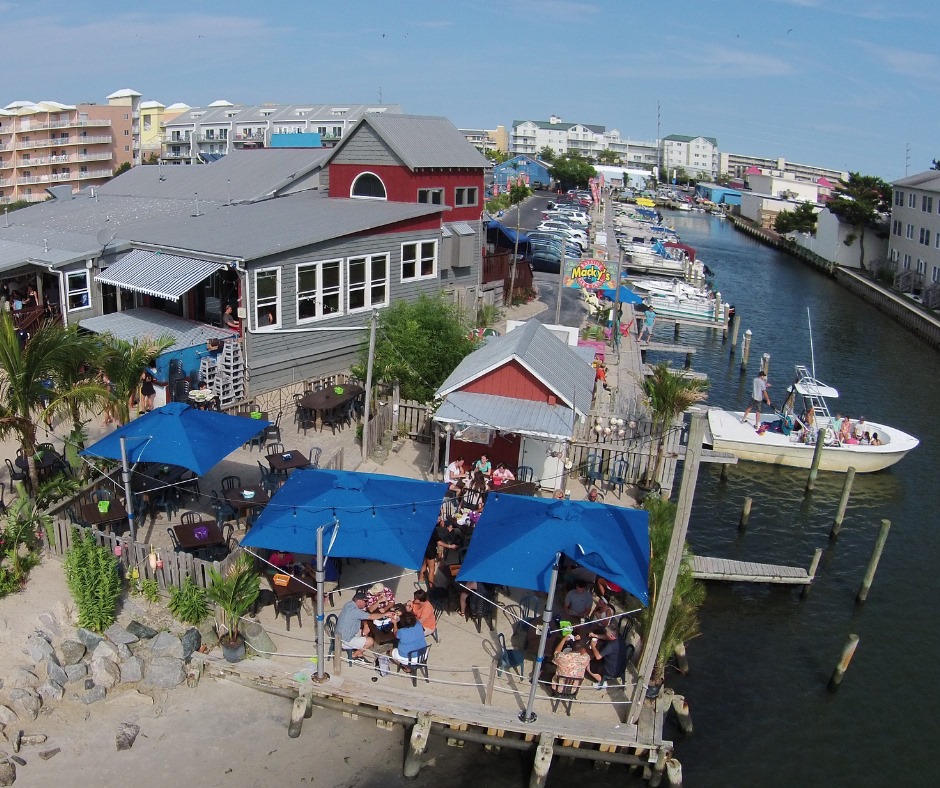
<point>364,146</point>
<point>278,358</point>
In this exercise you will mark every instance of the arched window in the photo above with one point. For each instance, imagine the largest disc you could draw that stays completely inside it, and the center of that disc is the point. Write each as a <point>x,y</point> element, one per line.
<point>368,186</point>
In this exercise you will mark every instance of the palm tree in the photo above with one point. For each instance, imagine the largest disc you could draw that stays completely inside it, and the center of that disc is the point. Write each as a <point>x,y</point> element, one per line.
<point>518,193</point>
<point>669,393</point>
<point>124,362</point>
<point>25,372</point>
<point>682,620</point>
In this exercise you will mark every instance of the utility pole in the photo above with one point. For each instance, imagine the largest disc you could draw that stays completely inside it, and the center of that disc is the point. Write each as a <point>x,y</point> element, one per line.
<point>561,279</point>
<point>373,321</point>
<point>693,456</point>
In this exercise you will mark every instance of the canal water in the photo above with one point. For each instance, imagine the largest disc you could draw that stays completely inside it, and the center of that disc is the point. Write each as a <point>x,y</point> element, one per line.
<point>757,686</point>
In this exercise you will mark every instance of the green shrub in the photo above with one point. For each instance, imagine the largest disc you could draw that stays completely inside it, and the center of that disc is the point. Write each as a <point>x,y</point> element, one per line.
<point>148,589</point>
<point>188,603</point>
<point>91,573</point>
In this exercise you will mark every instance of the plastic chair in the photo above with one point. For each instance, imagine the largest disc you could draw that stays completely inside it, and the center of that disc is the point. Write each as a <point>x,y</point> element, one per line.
<point>531,607</point>
<point>189,483</point>
<point>565,693</point>
<point>173,540</point>
<point>329,632</point>
<point>273,431</point>
<point>525,473</point>
<point>166,500</point>
<point>416,660</point>
<point>275,448</point>
<point>231,483</point>
<point>333,417</point>
<point>314,456</point>
<point>269,480</point>
<point>222,509</point>
<point>594,469</point>
<point>3,503</point>
<point>510,658</point>
<point>289,607</point>
<point>618,475</point>
<point>190,518</point>
<point>101,495</point>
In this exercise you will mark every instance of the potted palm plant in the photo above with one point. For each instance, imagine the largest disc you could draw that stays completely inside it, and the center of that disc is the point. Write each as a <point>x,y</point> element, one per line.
<point>233,591</point>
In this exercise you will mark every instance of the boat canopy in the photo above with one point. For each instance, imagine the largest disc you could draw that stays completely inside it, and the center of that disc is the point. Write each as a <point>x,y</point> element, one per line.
<point>809,387</point>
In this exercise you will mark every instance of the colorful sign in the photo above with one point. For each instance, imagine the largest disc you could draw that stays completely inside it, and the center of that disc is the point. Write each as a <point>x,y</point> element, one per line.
<point>587,274</point>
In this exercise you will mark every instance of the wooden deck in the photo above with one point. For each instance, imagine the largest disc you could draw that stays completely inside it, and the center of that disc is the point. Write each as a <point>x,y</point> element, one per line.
<point>686,373</point>
<point>705,568</point>
<point>665,347</point>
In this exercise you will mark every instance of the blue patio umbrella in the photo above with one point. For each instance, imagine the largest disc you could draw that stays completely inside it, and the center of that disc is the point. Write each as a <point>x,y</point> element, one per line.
<point>627,296</point>
<point>517,538</point>
<point>178,434</point>
<point>383,518</point>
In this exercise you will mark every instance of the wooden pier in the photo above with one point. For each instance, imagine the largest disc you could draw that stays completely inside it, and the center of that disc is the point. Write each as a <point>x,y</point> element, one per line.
<point>705,568</point>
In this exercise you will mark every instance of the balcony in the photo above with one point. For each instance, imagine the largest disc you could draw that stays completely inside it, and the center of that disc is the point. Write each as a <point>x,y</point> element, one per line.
<point>210,138</point>
<point>24,198</point>
<point>66,124</point>
<point>249,137</point>
<point>180,154</point>
<point>84,176</point>
<point>60,141</point>
<point>94,156</point>
<point>5,182</point>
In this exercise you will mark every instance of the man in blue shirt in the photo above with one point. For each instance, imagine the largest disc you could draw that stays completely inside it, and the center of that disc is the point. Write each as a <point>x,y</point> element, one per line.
<point>349,627</point>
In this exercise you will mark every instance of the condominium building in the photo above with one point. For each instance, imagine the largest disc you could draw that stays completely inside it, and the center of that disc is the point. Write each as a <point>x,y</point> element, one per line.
<point>914,244</point>
<point>205,133</point>
<point>488,139</point>
<point>529,137</point>
<point>698,156</point>
<point>48,143</point>
<point>736,165</point>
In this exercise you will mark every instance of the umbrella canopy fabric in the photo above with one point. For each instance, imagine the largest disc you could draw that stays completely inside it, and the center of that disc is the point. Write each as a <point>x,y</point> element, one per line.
<point>178,434</point>
<point>382,518</point>
<point>627,296</point>
<point>516,539</point>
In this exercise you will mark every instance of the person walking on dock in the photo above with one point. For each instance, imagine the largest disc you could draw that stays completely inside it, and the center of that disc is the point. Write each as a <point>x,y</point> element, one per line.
<point>758,395</point>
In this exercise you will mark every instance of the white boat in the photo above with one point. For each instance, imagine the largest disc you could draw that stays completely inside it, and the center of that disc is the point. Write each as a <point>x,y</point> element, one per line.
<point>796,449</point>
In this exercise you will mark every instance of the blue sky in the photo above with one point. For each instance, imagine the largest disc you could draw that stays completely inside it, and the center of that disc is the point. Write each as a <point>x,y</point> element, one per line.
<point>842,83</point>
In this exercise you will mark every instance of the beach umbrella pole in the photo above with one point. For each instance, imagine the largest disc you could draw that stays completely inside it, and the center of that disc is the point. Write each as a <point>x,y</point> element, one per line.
<point>126,478</point>
<point>321,579</point>
<point>528,715</point>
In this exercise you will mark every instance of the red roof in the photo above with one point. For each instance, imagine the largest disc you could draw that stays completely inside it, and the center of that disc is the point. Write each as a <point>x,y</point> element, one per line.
<point>752,171</point>
<point>824,183</point>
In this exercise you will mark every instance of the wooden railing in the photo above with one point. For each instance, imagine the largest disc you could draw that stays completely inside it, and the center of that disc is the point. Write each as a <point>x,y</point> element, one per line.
<point>414,417</point>
<point>495,267</point>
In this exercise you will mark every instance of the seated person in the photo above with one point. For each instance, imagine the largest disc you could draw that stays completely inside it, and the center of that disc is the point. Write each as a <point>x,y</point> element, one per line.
<point>571,659</point>
<point>594,495</point>
<point>410,639</point>
<point>349,627</point>
<point>484,466</point>
<point>229,320</point>
<point>579,601</point>
<point>379,599</point>
<point>875,440</point>
<point>424,611</point>
<point>453,474</point>
<point>501,475</point>
<point>607,652</point>
<point>281,560</point>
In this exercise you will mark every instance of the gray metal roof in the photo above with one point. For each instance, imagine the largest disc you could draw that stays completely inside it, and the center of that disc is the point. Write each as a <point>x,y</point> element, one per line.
<point>928,181</point>
<point>562,369</point>
<point>507,414</point>
<point>238,177</point>
<point>253,230</point>
<point>421,141</point>
<point>462,228</point>
<point>276,112</point>
<point>140,323</point>
<point>157,274</point>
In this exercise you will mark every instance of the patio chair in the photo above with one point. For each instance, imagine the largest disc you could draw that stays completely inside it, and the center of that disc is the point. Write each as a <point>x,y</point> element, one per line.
<point>270,481</point>
<point>173,540</point>
<point>3,503</point>
<point>222,509</point>
<point>530,607</point>
<point>16,475</point>
<point>314,456</point>
<point>618,475</point>
<point>416,660</point>
<point>273,431</point>
<point>594,468</point>
<point>348,412</point>
<point>510,658</point>
<point>231,483</point>
<point>291,606</point>
<point>275,448</point>
<point>565,693</point>
<point>189,483</point>
<point>331,417</point>
<point>97,496</point>
<point>525,473</point>
<point>329,632</point>
<point>166,499</point>
<point>190,518</point>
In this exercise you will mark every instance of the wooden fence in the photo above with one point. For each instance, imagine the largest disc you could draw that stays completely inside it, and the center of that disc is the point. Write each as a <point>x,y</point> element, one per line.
<point>172,568</point>
<point>415,418</point>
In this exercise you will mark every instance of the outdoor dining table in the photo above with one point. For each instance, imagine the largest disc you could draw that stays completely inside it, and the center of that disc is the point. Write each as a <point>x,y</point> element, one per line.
<point>516,487</point>
<point>235,496</point>
<point>191,539</point>
<point>292,458</point>
<point>294,587</point>
<point>48,461</point>
<point>91,514</point>
<point>153,476</point>
<point>382,637</point>
<point>328,399</point>
<point>201,398</point>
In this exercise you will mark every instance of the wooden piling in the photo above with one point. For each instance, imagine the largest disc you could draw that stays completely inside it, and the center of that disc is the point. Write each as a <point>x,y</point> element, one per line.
<point>417,743</point>
<point>746,350</point>
<point>726,324</point>
<point>688,361</point>
<point>724,471</point>
<point>490,683</point>
<point>674,773</point>
<point>843,502</point>
<point>735,327</point>
<point>297,716</point>
<point>543,760</point>
<point>814,565</point>
<point>657,775</point>
<point>765,363</point>
<point>682,659</point>
<point>745,514</point>
<point>848,651</point>
<point>817,457</point>
<point>675,332</point>
<point>683,714</point>
<point>873,563</point>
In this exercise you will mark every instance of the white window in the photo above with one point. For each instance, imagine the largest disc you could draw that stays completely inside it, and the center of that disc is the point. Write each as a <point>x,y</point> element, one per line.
<point>926,204</point>
<point>368,186</point>
<point>921,266</point>
<point>367,282</point>
<point>465,195</point>
<point>894,255</point>
<point>268,298</point>
<point>912,200</point>
<point>77,290</point>
<point>907,261</point>
<point>431,196</point>
<point>899,198</point>
<point>910,232</point>
<point>418,260</point>
<point>319,288</point>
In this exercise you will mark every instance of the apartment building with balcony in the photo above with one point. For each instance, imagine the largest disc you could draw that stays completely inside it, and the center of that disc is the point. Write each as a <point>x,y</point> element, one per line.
<point>153,117</point>
<point>698,156</point>
<point>914,243</point>
<point>53,144</point>
<point>488,139</point>
<point>205,133</point>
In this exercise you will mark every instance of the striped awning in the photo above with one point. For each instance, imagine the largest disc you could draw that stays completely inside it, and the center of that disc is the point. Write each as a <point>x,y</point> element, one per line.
<point>155,273</point>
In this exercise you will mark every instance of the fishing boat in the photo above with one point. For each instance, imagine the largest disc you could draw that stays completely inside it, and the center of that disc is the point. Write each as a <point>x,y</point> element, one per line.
<point>786,438</point>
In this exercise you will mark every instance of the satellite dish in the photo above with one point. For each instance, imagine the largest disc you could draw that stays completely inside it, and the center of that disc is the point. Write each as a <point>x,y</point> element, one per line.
<point>105,236</point>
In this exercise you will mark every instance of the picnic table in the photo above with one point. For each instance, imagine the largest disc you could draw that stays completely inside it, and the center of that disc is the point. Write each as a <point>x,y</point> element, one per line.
<point>91,514</point>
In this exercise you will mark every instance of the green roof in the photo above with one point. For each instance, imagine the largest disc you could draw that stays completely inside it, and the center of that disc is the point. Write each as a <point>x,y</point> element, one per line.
<point>547,124</point>
<point>687,138</point>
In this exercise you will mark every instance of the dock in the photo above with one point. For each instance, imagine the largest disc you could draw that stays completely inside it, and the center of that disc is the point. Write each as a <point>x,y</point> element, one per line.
<point>706,568</point>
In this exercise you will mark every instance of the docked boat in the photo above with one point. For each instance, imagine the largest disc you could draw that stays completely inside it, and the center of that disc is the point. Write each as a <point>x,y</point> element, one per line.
<point>787,439</point>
